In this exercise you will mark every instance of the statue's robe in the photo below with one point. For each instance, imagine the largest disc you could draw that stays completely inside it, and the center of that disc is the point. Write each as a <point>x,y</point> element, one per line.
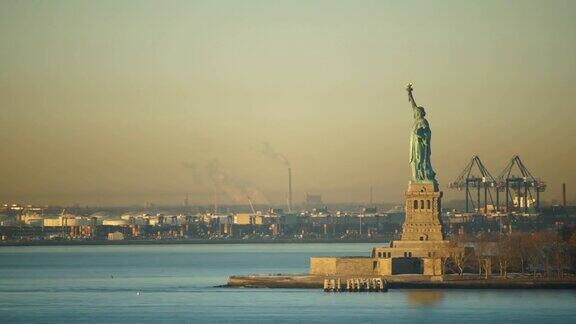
<point>420,151</point>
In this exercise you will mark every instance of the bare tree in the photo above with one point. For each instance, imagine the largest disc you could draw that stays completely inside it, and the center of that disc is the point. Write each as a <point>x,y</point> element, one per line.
<point>458,253</point>
<point>533,252</point>
<point>519,248</point>
<point>504,254</point>
<point>481,253</point>
<point>572,252</point>
<point>559,249</point>
<point>545,247</point>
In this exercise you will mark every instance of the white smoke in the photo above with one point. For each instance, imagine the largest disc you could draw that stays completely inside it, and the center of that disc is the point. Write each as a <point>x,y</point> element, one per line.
<point>268,151</point>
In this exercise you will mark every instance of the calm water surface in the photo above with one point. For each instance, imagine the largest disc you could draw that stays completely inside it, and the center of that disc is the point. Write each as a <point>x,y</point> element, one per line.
<point>174,283</point>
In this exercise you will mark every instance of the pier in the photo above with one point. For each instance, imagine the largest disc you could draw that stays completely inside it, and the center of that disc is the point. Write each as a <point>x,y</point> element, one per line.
<point>356,285</point>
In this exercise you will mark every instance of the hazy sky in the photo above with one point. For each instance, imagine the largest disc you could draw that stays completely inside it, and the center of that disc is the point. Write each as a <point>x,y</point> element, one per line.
<point>122,102</point>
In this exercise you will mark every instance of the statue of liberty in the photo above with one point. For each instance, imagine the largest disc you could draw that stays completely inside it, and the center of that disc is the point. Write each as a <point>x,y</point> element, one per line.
<point>420,149</point>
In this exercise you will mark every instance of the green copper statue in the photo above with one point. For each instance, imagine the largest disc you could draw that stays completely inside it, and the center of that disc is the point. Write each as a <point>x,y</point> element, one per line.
<point>420,149</point>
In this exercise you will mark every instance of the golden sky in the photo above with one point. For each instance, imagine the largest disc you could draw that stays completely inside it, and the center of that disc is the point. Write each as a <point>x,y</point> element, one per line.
<point>123,102</point>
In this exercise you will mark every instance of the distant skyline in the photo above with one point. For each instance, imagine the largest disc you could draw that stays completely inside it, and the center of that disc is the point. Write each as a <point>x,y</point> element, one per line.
<point>124,102</point>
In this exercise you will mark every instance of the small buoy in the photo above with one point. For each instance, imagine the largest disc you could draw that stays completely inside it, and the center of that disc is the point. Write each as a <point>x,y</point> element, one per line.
<point>138,293</point>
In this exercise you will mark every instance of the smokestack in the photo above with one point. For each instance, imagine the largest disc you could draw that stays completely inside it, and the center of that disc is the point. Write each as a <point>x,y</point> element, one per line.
<point>564,195</point>
<point>290,190</point>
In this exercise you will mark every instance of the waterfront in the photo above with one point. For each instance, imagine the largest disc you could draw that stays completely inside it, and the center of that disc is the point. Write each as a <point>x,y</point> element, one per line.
<point>175,283</point>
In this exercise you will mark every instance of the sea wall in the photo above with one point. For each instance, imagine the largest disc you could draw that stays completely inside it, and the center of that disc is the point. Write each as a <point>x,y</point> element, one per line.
<point>342,266</point>
<point>366,266</point>
<point>323,266</point>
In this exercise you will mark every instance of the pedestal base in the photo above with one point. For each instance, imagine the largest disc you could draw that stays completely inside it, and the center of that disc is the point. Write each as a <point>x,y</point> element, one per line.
<point>423,206</point>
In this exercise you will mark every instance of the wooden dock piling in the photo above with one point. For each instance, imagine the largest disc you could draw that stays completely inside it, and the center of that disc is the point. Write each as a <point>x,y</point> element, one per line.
<point>356,285</point>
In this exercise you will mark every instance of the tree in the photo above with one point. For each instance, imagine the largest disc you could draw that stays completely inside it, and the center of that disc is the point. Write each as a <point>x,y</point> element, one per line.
<point>559,254</point>
<point>533,251</point>
<point>457,252</point>
<point>572,251</point>
<point>519,243</point>
<point>481,253</point>
<point>544,248</point>
<point>504,254</point>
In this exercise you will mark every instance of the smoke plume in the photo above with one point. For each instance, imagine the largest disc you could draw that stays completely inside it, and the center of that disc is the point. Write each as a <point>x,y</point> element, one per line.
<point>238,190</point>
<point>268,151</point>
<point>195,171</point>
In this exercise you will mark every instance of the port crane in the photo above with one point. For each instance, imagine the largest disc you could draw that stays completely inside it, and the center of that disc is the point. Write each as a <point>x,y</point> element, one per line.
<point>476,176</point>
<point>521,182</point>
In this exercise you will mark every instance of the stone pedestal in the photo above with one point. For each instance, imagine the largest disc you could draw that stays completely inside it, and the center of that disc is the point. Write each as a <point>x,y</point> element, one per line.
<point>423,205</point>
<point>432,266</point>
<point>422,240</point>
<point>384,267</point>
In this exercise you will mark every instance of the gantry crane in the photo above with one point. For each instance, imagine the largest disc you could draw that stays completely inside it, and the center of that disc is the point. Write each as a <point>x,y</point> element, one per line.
<point>476,176</point>
<point>522,183</point>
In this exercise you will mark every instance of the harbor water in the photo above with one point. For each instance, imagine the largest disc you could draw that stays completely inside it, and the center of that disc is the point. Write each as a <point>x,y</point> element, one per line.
<point>176,283</point>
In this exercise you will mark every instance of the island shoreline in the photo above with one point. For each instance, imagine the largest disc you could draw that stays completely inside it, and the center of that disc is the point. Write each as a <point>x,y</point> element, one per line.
<point>176,242</point>
<point>405,282</point>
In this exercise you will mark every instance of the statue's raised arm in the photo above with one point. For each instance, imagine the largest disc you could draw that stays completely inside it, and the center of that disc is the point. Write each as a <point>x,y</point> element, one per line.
<point>410,96</point>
